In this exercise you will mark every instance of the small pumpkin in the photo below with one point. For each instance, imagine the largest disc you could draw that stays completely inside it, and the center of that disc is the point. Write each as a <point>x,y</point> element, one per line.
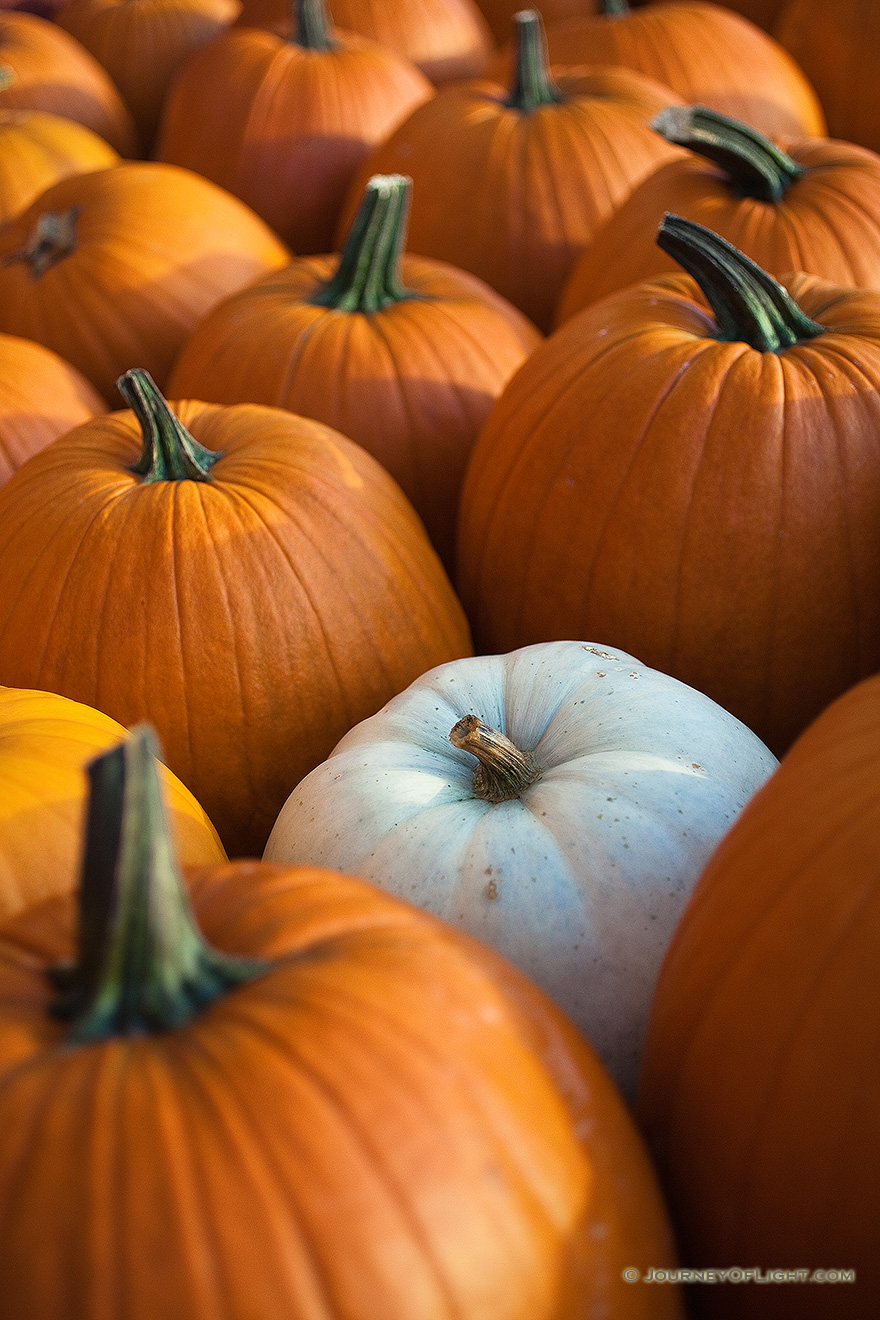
<point>249,581</point>
<point>38,148</point>
<point>814,207</point>
<point>402,354</point>
<point>760,1086</point>
<point>511,182</point>
<point>557,803</point>
<point>284,118</point>
<point>46,741</point>
<point>690,469</point>
<point>140,251</point>
<point>304,1095</point>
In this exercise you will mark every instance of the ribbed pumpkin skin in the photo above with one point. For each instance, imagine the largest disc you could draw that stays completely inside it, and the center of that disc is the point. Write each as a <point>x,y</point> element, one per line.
<point>838,47</point>
<point>143,43</point>
<point>156,247</point>
<point>760,1089</point>
<point>284,127</point>
<point>38,148</point>
<point>373,1129</point>
<point>54,72</point>
<point>706,507</point>
<point>41,397</point>
<point>827,223</point>
<point>706,53</point>
<point>412,382</point>
<point>514,197</point>
<point>45,743</point>
<point>252,619</point>
<point>445,39</point>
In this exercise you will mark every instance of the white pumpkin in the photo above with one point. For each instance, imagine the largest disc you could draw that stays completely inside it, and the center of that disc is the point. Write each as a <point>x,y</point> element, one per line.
<point>630,779</point>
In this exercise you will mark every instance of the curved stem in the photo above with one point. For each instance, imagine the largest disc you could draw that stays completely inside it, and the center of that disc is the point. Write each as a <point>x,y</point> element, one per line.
<point>368,275</point>
<point>52,238</point>
<point>142,964</point>
<point>754,165</point>
<point>747,303</point>
<point>170,453</point>
<point>312,25</point>
<point>503,771</point>
<point>533,83</point>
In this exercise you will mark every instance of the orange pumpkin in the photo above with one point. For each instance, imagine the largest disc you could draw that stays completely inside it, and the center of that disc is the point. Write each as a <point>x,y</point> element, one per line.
<point>705,52</point>
<point>46,742</point>
<point>118,265</point>
<point>143,43</point>
<point>692,475</point>
<point>38,148</point>
<point>759,1089</point>
<point>45,68</point>
<point>283,119</point>
<point>402,354</point>
<point>512,183</point>
<point>813,207</point>
<point>252,589</point>
<point>314,1097</point>
<point>41,397</point>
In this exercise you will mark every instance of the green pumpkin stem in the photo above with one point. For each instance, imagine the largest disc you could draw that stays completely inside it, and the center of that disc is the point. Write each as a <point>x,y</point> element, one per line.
<point>52,238</point>
<point>748,304</point>
<point>311,24</point>
<point>755,166</point>
<point>503,771</point>
<point>368,275</point>
<point>614,8</point>
<point>169,451</point>
<point>142,964</point>
<point>533,83</point>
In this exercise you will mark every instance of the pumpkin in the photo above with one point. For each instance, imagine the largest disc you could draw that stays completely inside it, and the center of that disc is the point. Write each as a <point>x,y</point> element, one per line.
<point>143,43</point>
<point>690,470</point>
<point>512,183</point>
<point>46,742</point>
<point>41,397</point>
<point>314,1097</point>
<point>38,148</point>
<point>249,581</point>
<point>45,68</point>
<point>283,119</point>
<point>447,40</point>
<point>557,803</point>
<point>117,266</point>
<point>402,354</point>
<point>760,1087</point>
<point>838,48</point>
<point>705,52</point>
<point>814,207</point>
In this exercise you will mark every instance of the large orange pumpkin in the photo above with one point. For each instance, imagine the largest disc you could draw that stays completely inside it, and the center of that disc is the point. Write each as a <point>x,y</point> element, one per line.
<point>511,183</point>
<point>402,354</point>
<point>284,118</point>
<point>814,207</point>
<point>46,741</point>
<point>253,589</point>
<point>116,266</point>
<point>760,1085</point>
<point>693,477</point>
<point>327,1103</point>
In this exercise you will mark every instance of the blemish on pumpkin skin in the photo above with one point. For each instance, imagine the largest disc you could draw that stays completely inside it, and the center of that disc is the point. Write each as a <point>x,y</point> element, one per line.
<point>491,889</point>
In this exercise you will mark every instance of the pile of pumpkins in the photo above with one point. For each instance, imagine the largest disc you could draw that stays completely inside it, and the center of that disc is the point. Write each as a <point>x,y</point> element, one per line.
<point>440,660</point>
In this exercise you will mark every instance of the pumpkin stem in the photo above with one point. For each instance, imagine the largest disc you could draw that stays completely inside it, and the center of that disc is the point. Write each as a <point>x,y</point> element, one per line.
<point>612,8</point>
<point>747,303</point>
<point>142,964</point>
<point>312,25</point>
<point>170,453</point>
<point>503,771</point>
<point>368,275</point>
<point>52,238</point>
<point>533,83</point>
<point>754,165</point>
